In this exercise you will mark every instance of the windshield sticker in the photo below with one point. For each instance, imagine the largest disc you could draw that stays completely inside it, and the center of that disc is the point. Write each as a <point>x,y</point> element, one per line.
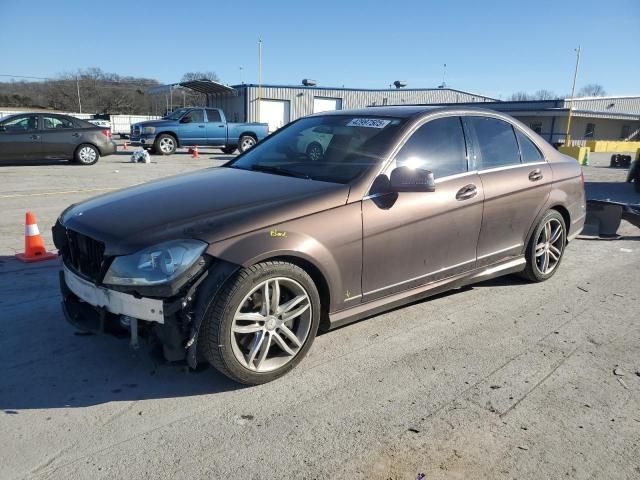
<point>368,123</point>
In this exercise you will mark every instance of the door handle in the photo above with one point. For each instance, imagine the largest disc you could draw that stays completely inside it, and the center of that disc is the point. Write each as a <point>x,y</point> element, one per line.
<point>35,137</point>
<point>75,134</point>
<point>467,192</point>
<point>220,126</point>
<point>200,126</point>
<point>535,175</point>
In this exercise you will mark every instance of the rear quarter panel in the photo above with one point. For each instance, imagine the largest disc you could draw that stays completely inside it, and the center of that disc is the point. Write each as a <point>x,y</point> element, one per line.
<point>568,190</point>
<point>234,130</point>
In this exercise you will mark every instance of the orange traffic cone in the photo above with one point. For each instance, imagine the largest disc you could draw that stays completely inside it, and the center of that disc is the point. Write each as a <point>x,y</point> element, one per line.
<point>195,153</point>
<point>34,250</point>
<point>126,145</point>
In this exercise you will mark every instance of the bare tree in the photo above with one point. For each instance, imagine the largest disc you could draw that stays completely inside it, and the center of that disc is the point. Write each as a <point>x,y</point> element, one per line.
<point>189,76</point>
<point>592,90</point>
<point>519,97</point>
<point>544,95</point>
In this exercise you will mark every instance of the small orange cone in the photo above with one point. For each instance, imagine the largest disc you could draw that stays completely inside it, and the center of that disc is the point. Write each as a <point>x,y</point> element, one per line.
<point>195,153</point>
<point>34,250</point>
<point>126,145</point>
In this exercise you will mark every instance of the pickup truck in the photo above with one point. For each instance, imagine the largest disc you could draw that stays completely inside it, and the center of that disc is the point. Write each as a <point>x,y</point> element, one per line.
<point>188,127</point>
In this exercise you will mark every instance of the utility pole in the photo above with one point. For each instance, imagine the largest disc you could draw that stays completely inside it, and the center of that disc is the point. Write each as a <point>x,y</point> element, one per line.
<point>241,69</point>
<point>567,137</point>
<point>259,76</point>
<point>78,90</point>
<point>444,75</point>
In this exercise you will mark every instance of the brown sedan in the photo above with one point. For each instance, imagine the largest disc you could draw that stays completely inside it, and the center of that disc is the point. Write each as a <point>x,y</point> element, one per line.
<point>334,218</point>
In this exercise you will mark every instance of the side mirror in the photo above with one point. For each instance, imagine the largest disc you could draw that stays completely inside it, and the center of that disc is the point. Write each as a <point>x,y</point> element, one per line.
<point>407,179</point>
<point>186,119</point>
<point>3,128</point>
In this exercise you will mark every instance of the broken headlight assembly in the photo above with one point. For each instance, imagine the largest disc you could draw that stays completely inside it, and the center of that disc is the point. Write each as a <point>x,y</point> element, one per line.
<point>156,265</point>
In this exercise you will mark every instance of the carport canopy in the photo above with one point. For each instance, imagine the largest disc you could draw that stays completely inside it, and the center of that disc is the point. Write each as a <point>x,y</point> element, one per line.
<point>208,87</point>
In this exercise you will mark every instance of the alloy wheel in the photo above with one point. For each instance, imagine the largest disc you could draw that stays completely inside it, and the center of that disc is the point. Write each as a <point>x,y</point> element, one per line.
<point>166,145</point>
<point>247,143</point>
<point>271,324</point>
<point>87,155</point>
<point>549,246</point>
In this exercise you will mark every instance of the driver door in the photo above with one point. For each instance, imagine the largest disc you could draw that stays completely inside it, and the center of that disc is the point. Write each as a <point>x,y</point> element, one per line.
<point>193,128</point>
<point>414,238</point>
<point>20,140</point>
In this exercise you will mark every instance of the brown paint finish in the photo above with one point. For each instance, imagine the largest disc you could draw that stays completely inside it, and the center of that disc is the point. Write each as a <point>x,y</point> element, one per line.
<point>420,237</point>
<point>372,252</point>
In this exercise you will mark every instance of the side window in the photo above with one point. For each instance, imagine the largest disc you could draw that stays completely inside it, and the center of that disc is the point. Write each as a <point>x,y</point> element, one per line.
<point>22,123</point>
<point>528,150</point>
<point>496,143</point>
<point>197,116</point>
<point>437,146</point>
<point>213,116</point>
<point>56,123</point>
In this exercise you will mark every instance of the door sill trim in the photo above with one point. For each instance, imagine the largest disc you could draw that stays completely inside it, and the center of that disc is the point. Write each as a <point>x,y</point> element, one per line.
<point>379,305</point>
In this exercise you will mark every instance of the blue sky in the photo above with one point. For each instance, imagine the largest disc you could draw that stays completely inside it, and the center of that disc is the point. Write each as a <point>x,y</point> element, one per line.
<point>490,47</point>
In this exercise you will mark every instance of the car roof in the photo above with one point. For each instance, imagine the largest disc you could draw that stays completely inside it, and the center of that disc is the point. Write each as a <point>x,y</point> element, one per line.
<point>409,111</point>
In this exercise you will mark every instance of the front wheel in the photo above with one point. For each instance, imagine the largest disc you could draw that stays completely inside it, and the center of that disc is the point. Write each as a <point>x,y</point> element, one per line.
<point>86,154</point>
<point>546,247</point>
<point>262,323</point>
<point>246,142</point>
<point>165,144</point>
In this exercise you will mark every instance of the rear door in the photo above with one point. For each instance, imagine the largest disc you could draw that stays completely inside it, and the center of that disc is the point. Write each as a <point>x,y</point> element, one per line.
<point>193,132</point>
<point>216,128</point>
<point>20,139</point>
<point>59,136</point>
<point>415,238</point>
<point>516,185</point>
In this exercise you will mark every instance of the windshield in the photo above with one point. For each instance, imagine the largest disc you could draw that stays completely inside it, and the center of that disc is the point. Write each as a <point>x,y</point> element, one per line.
<point>176,114</point>
<point>332,148</point>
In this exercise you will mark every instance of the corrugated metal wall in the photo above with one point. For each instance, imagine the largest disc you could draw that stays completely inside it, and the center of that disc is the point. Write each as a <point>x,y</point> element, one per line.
<point>607,104</point>
<point>301,99</point>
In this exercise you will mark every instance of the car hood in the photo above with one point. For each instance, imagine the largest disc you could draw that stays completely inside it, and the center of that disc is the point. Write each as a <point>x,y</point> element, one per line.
<point>154,123</point>
<point>209,205</point>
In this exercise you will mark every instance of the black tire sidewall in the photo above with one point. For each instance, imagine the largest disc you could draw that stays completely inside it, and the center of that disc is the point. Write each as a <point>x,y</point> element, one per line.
<point>532,271</point>
<point>218,319</point>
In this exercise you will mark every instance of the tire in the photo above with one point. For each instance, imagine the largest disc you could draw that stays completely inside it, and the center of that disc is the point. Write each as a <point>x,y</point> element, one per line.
<point>229,343</point>
<point>165,144</point>
<point>86,154</point>
<point>315,152</point>
<point>535,270</point>
<point>246,142</point>
<point>229,150</point>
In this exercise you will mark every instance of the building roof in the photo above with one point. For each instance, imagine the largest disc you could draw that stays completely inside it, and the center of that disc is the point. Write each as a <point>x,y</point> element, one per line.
<point>348,89</point>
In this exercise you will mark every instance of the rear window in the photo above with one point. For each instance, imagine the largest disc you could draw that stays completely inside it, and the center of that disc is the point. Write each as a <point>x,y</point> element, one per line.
<point>528,150</point>
<point>496,143</point>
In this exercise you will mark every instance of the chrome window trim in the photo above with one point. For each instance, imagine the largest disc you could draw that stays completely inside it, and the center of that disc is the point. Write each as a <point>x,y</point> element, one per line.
<point>509,167</point>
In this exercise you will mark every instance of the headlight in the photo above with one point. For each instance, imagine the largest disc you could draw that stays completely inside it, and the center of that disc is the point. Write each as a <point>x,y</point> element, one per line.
<point>155,265</point>
<point>149,130</point>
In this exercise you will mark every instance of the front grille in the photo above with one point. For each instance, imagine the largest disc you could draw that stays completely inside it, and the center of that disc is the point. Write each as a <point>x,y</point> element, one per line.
<point>85,255</point>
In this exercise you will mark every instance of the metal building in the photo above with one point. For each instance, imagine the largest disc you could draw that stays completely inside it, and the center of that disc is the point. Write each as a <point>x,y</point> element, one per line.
<point>278,105</point>
<point>593,118</point>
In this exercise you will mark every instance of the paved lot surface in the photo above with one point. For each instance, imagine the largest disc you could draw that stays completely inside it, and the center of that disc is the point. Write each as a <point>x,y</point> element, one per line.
<point>500,380</point>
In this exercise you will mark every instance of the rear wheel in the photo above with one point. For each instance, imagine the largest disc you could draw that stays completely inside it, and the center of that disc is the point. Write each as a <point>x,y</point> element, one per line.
<point>165,144</point>
<point>86,154</point>
<point>246,142</point>
<point>546,247</point>
<point>262,323</point>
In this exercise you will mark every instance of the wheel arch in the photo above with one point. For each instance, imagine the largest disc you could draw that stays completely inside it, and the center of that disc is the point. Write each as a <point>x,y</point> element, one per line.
<point>558,207</point>
<point>172,133</point>
<point>249,134</point>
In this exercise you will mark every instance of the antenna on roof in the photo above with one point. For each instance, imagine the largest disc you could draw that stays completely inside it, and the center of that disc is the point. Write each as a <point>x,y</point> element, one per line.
<point>444,75</point>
